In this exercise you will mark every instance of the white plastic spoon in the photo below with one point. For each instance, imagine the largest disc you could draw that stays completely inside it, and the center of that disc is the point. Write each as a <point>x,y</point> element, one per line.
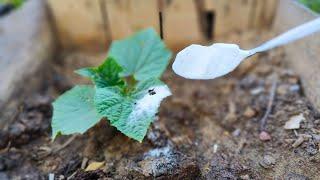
<point>209,62</point>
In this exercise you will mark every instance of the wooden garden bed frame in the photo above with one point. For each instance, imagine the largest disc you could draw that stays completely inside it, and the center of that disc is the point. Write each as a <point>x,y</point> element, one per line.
<point>94,23</point>
<point>304,55</point>
<point>26,44</point>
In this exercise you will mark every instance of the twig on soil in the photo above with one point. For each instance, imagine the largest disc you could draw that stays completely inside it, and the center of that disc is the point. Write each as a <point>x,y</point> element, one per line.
<point>84,163</point>
<point>298,142</point>
<point>263,121</point>
<point>72,175</point>
<point>59,148</point>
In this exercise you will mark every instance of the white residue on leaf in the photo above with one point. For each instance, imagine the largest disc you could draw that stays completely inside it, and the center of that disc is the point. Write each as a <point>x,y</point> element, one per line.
<point>294,122</point>
<point>148,105</point>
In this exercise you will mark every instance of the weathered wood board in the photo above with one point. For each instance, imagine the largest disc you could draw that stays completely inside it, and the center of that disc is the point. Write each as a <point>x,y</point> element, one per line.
<point>263,13</point>
<point>302,55</point>
<point>78,22</point>
<point>240,15</point>
<point>181,24</point>
<point>230,16</point>
<point>25,44</point>
<point>125,17</point>
<point>85,23</point>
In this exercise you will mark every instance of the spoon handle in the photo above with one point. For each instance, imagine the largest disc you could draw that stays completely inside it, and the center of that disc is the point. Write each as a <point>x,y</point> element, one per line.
<point>289,36</point>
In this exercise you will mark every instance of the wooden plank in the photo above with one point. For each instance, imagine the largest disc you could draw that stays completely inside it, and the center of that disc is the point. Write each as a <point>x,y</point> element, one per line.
<point>79,22</point>
<point>126,16</point>
<point>26,44</point>
<point>181,25</point>
<point>263,13</point>
<point>257,14</point>
<point>230,16</point>
<point>269,12</point>
<point>301,55</point>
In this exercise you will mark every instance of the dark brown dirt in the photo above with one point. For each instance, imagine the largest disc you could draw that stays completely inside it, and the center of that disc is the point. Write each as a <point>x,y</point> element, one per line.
<point>206,130</point>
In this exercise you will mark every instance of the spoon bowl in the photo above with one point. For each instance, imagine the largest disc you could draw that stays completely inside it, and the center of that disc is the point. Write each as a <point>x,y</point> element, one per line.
<point>208,62</point>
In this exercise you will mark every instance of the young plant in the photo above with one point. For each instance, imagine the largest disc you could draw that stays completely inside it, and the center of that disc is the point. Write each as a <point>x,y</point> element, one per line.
<point>127,90</point>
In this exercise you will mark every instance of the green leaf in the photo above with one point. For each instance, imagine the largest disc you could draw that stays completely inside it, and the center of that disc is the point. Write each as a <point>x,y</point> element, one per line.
<point>127,89</point>
<point>15,3</point>
<point>110,101</point>
<point>312,4</point>
<point>142,55</point>
<point>107,74</point>
<point>132,114</point>
<point>74,111</point>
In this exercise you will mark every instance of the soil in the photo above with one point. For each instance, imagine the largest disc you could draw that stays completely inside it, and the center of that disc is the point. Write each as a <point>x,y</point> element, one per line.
<point>206,130</point>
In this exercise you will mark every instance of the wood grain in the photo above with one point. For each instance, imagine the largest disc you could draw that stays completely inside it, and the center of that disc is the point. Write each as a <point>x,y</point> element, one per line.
<point>126,16</point>
<point>26,43</point>
<point>79,22</point>
<point>263,13</point>
<point>181,25</point>
<point>230,15</point>
<point>302,55</point>
<point>85,23</point>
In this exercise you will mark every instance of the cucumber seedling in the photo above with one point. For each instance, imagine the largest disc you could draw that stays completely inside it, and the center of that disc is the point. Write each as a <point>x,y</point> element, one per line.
<point>126,89</point>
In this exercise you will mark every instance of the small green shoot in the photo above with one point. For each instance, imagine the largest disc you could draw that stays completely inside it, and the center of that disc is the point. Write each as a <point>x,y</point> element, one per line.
<point>127,90</point>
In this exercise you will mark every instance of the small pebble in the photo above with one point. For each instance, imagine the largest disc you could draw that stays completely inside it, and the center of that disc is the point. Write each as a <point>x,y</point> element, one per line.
<point>267,161</point>
<point>215,148</point>
<point>264,136</point>
<point>294,122</point>
<point>245,177</point>
<point>316,137</point>
<point>294,88</point>
<point>282,89</point>
<point>236,132</point>
<point>249,112</point>
<point>257,90</point>
<point>51,176</point>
